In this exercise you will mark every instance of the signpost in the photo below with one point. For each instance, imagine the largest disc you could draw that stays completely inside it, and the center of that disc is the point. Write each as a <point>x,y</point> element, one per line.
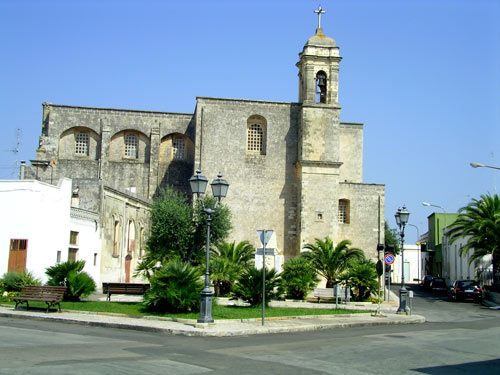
<point>264,236</point>
<point>380,272</point>
<point>389,259</point>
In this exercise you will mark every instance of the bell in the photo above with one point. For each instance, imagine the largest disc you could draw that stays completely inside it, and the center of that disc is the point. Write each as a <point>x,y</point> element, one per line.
<point>321,81</point>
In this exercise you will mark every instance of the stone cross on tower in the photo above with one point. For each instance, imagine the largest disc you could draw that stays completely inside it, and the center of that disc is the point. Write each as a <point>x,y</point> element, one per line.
<point>320,11</point>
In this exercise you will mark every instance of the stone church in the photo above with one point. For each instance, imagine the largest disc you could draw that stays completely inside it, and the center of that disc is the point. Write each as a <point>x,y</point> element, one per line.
<point>294,168</point>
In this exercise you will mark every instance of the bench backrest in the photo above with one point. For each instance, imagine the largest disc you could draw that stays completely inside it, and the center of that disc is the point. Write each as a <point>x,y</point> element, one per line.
<point>330,292</point>
<point>117,288</point>
<point>49,292</point>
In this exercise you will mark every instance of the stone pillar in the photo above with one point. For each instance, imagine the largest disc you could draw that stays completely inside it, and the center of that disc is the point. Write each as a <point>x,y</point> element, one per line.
<point>104,150</point>
<point>154,160</point>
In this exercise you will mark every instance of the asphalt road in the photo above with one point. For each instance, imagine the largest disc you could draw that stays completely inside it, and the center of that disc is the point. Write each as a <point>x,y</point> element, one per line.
<point>459,338</point>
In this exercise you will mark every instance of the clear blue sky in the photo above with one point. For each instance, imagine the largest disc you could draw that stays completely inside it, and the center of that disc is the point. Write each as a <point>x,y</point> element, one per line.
<point>423,76</point>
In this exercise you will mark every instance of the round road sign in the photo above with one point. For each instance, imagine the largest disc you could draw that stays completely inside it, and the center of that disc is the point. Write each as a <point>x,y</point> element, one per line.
<point>389,259</point>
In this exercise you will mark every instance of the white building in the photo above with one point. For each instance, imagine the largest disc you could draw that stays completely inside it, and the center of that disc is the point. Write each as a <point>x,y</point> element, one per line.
<point>41,229</point>
<point>457,266</point>
<point>412,265</point>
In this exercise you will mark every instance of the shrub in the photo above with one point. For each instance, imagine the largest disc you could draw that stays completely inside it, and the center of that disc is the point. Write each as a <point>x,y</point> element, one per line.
<point>223,273</point>
<point>175,288</point>
<point>71,275</point>
<point>298,278</point>
<point>249,286</point>
<point>14,281</point>
<point>227,262</point>
<point>362,278</point>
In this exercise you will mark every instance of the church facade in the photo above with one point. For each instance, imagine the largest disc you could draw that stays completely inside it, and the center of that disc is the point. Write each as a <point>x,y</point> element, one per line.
<point>293,168</point>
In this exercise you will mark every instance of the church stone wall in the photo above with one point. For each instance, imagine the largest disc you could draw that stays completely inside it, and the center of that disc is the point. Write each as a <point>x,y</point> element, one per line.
<point>351,151</point>
<point>319,132</point>
<point>318,205</point>
<point>367,202</point>
<point>123,208</point>
<point>262,192</point>
<point>106,160</point>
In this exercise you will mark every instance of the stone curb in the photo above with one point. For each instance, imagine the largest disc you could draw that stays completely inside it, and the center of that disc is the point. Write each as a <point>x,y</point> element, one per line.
<point>221,328</point>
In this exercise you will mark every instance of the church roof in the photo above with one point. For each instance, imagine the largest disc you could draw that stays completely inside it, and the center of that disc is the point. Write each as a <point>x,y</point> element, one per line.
<point>320,40</point>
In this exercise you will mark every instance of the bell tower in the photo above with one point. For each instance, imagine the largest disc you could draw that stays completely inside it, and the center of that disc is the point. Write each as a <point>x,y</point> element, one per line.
<point>319,133</point>
<point>319,69</point>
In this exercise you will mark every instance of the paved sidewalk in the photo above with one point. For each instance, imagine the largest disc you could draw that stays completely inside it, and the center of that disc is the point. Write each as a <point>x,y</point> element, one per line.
<point>221,328</point>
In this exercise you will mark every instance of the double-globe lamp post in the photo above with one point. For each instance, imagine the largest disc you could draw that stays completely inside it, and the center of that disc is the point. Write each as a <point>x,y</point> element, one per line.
<point>402,216</point>
<point>219,190</point>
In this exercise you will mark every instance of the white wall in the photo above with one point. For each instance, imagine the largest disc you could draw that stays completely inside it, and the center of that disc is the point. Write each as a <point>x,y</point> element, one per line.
<point>412,257</point>
<point>89,242</point>
<point>40,213</point>
<point>458,267</point>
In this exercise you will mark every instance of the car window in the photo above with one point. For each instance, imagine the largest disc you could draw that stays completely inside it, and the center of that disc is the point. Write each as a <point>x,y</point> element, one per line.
<point>465,284</point>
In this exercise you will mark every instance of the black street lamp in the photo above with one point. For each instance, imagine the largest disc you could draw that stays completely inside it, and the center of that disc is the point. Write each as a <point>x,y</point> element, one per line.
<point>402,216</point>
<point>219,190</point>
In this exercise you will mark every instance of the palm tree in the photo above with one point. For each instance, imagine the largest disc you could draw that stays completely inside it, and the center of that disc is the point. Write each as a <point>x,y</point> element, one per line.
<point>298,277</point>
<point>480,220</point>
<point>249,286</point>
<point>362,277</point>
<point>241,254</point>
<point>228,261</point>
<point>329,260</point>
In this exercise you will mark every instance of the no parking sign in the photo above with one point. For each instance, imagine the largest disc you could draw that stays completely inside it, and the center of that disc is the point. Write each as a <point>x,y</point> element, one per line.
<point>389,259</point>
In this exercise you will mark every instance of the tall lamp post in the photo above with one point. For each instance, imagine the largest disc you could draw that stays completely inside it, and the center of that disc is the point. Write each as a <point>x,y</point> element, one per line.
<point>444,260</point>
<point>419,261</point>
<point>219,190</point>
<point>479,165</point>
<point>402,216</point>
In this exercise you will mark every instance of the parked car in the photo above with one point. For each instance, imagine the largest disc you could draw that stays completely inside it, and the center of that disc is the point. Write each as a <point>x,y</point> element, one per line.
<point>466,289</point>
<point>426,281</point>
<point>438,285</point>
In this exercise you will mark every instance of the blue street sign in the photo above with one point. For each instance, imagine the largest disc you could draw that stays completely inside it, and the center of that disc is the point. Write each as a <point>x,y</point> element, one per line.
<point>389,259</point>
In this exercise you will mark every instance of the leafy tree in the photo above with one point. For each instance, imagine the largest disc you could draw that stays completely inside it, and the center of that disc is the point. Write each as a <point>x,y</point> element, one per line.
<point>219,227</point>
<point>179,230</point>
<point>249,286</point>
<point>172,231</point>
<point>392,238</point>
<point>71,275</point>
<point>480,220</point>
<point>298,278</point>
<point>175,287</point>
<point>226,263</point>
<point>329,260</point>
<point>362,278</point>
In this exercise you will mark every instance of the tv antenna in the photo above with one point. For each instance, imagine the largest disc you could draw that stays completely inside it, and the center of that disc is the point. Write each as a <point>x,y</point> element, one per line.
<point>15,151</point>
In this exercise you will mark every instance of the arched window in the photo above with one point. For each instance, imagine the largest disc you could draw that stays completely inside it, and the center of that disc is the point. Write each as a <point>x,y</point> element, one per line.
<point>131,237</point>
<point>344,211</point>
<point>116,238</point>
<point>321,87</point>
<point>256,135</point>
<point>131,145</point>
<point>82,143</point>
<point>178,148</point>
<point>141,241</point>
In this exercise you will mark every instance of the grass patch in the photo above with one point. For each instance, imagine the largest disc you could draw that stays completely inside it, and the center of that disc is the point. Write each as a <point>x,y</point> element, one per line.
<point>218,312</point>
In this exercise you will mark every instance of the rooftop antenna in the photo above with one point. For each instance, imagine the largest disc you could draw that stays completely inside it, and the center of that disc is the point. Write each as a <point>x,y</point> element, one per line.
<point>15,151</point>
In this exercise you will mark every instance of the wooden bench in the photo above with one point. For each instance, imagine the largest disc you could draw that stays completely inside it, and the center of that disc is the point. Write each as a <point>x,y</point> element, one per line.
<point>51,295</point>
<point>341,293</point>
<point>124,288</point>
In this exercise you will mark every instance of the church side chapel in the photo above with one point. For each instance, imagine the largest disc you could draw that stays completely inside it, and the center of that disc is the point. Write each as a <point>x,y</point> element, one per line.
<point>294,168</point>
